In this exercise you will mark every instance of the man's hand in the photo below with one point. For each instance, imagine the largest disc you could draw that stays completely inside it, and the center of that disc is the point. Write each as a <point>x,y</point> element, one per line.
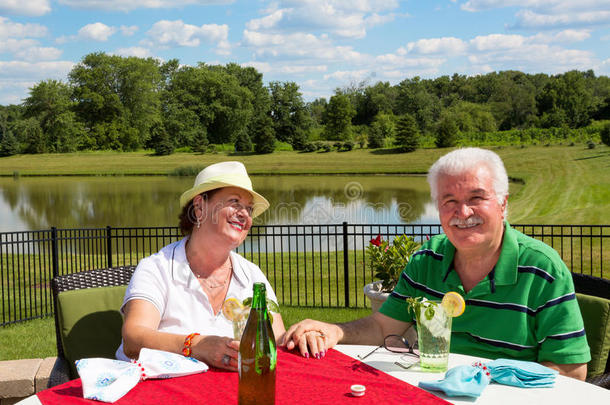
<point>578,371</point>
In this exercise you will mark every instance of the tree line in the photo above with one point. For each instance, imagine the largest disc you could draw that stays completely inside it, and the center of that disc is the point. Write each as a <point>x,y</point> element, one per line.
<point>128,103</point>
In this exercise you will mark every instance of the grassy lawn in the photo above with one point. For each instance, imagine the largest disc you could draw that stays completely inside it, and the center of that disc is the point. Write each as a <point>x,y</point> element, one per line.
<point>557,184</point>
<point>36,338</point>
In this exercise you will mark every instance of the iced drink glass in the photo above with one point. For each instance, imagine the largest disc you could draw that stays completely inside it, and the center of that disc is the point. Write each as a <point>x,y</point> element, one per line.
<point>434,337</point>
<point>239,323</point>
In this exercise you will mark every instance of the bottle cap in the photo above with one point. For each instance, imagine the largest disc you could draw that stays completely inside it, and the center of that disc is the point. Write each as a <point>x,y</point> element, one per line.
<point>358,390</point>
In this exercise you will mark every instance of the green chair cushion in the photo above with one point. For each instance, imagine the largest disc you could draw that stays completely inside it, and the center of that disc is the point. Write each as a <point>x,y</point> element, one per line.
<point>90,322</point>
<point>596,316</point>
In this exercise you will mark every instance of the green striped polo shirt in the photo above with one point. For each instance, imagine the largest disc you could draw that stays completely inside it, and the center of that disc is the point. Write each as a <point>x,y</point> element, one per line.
<point>524,309</point>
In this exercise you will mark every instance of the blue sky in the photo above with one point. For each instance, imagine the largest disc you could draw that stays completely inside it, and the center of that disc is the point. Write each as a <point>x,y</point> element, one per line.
<point>319,44</point>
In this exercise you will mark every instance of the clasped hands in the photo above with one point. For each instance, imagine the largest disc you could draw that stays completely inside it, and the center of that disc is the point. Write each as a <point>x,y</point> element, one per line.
<point>311,338</point>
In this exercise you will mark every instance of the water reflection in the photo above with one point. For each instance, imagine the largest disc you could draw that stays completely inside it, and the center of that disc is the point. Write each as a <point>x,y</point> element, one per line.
<point>77,202</point>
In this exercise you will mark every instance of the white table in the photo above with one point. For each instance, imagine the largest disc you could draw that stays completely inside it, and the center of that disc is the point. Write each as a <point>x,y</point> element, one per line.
<point>566,390</point>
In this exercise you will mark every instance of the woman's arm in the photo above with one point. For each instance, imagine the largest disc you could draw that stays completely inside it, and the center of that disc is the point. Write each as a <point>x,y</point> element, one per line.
<point>278,327</point>
<point>140,330</point>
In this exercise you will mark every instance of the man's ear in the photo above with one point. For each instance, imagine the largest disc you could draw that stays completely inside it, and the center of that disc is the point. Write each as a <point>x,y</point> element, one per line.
<point>504,204</point>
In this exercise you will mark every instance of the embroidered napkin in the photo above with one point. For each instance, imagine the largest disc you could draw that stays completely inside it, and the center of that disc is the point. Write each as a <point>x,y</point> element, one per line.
<point>108,380</point>
<point>470,381</point>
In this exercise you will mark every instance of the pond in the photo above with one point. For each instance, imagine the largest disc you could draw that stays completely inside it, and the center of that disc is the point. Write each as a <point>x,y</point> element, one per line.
<point>34,203</point>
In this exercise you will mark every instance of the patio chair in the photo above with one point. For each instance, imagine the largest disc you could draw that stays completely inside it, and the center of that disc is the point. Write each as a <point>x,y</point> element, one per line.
<point>593,295</point>
<point>87,318</point>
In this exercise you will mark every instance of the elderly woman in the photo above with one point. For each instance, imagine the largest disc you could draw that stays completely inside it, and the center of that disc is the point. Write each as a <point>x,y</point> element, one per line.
<point>174,299</point>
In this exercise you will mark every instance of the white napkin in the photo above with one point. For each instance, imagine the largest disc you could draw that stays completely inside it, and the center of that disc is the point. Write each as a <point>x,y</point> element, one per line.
<point>108,380</point>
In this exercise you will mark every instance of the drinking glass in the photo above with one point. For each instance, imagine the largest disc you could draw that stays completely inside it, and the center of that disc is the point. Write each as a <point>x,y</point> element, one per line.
<point>239,323</point>
<point>434,337</point>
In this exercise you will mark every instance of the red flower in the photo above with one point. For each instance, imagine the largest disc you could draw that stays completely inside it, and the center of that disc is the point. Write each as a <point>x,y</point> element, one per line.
<point>376,241</point>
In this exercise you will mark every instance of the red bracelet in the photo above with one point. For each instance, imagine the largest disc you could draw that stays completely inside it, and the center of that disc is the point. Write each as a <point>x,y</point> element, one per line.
<point>186,351</point>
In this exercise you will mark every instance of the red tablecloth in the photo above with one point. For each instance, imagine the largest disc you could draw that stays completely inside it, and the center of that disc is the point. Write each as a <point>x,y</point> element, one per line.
<point>299,381</point>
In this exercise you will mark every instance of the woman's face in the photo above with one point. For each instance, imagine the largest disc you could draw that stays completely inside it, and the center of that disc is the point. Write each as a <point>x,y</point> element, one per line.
<point>226,215</point>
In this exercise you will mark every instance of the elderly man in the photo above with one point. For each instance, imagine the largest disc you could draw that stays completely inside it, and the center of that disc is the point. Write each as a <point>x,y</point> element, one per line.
<point>519,294</point>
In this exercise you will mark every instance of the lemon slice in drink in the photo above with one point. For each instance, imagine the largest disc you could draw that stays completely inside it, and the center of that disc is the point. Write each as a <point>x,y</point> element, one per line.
<point>232,308</point>
<point>453,303</point>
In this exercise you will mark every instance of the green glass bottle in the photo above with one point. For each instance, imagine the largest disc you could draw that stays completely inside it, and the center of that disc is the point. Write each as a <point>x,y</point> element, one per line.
<point>257,354</point>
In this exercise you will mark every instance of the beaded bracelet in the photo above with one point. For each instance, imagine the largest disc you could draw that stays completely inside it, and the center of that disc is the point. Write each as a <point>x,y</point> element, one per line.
<point>186,351</point>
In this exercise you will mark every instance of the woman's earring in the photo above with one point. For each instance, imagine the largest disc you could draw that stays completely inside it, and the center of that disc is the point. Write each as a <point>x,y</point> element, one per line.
<point>198,222</point>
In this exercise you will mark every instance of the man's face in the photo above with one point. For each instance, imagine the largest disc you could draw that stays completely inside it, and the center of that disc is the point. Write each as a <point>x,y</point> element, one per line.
<point>469,211</point>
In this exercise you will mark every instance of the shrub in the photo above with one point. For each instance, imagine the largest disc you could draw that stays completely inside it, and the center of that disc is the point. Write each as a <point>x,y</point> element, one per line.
<point>348,145</point>
<point>326,148</point>
<point>309,147</point>
<point>590,144</point>
<point>447,133</point>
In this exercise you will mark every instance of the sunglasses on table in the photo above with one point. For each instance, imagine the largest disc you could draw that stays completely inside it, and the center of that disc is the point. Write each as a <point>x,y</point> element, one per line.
<point>397,344</point>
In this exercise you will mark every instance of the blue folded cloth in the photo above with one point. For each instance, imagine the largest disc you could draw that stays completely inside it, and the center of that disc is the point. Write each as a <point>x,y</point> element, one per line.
<point>470,381</point>
<point>520,373</point>
<point>466,381</point>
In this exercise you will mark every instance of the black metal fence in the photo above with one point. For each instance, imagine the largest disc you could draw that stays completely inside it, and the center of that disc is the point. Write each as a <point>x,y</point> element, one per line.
<point>307,265</point>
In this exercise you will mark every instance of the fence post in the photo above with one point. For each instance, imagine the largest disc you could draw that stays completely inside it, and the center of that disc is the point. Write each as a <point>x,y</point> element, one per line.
<point>54,252</point>
<point>108,247</point>
<point>345,265</point>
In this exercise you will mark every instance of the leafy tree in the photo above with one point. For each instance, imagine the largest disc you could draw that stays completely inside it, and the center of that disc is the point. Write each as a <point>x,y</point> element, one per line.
<point>50,104</point>
<point>160,141</point>
<point>316,110</point>
<point>288,111</point>
<point>605,134</point>
<point>117,93</point>
<point>243,142</point>
<point>513,101</point>
<point>407,134</point>
<point>211,101</point>
<point>414,98</point>
<point>264,140</point>
<point>381,128</point>
<point>338,118</point>
<point>8,144</point>
<point>446,133</point>
<point>31,134</point>
<point>570,97</point>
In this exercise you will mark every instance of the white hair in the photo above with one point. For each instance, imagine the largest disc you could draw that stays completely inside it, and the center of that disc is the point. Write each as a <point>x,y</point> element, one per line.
<point>467,159</point>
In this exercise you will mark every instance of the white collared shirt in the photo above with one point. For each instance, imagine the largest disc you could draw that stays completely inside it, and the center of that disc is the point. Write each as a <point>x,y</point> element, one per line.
<point>165,279</point>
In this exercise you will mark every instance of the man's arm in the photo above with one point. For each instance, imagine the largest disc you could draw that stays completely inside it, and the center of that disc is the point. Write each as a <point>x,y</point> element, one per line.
<point>370,330</point>
<point>578,371</point>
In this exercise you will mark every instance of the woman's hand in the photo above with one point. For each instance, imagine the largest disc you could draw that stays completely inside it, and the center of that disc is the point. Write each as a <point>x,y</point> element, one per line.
<point>216,351</point>
<point>312,338</point>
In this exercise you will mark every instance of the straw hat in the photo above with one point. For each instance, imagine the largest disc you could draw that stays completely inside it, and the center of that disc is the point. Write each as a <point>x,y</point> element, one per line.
<point>225,174</point>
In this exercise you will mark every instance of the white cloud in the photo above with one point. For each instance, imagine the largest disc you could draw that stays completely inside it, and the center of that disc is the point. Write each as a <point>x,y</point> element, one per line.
<point>547,14</point>
<point>176,33</point>
<point>129,30</point>
<point>133,51</point>
<point>266,22</point>
<point>30,8</point>
<point>497,42</point>
<point>34,72</point>
<point>300,46</point>
<point>128,5</point>
<point>344,18</point>
<point>531,19</point>
<point>565,36</point>
<point>445,45</point>
<point>10,29</point>
<point>96,32</point>
<point>262,67</point>
<point>38,53</point>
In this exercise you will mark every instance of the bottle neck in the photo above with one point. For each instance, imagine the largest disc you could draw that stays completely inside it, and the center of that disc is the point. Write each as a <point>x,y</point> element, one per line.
<point>259,298</point>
